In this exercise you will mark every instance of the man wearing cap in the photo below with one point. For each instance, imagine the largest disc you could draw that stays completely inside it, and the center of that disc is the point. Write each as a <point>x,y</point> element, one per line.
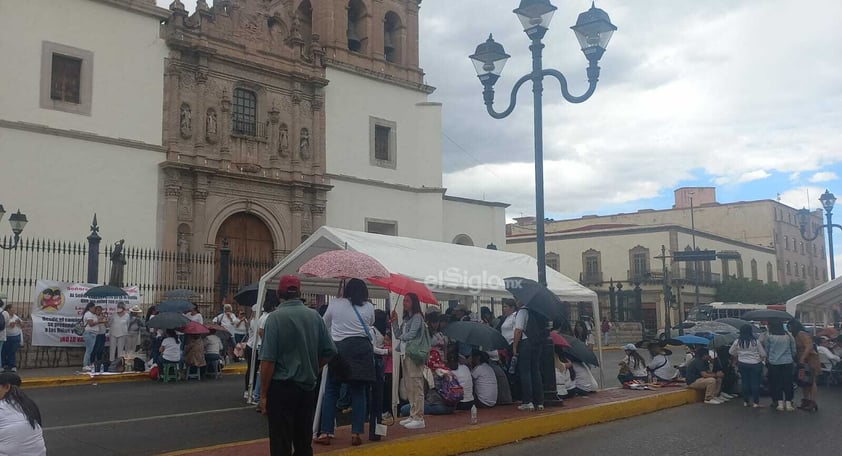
<point>296,345</point>
<point>462,312</point>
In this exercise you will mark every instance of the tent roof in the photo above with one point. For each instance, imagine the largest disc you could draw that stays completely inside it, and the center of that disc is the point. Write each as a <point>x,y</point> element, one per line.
<point>819,299</point>
<point>444,268</point>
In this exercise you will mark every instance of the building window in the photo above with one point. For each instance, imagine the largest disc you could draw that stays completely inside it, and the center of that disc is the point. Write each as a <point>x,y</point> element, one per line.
<point>244,113</point>
<point>639,263</point>
<point>463,239</point>
<point>802,247</point>
<point>788,269</point>
<point>786,242</point>
<point>377,226</point>
<point>591,266</point>
<point>356,26</point>
<point>392,38</point>
<point>66,78</point>
<point>383,143</point>
<point>753,269</point>
<point>796,269</point>
<point>770,273</point>
<point>803,271</point>
<point>552,259</point>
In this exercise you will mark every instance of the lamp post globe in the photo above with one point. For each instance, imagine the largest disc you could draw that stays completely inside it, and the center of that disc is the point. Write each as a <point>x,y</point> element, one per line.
<point>594,30</point>
<point>18,222</point>
<point>535,15</point>
<point>489,59</point>
<point>828,200</point>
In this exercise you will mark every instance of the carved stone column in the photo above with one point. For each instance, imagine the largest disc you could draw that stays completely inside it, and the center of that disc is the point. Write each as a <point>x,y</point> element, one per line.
<point>171,119</point>
<point>295,134</point>
<point>200,197</point>
<point>172,192</point>
<point>274,121</point>
<point>318,212</point>
<point>296,208</point>
<point>317,137</point>
<point>225,133</point>
<point>200,117</point>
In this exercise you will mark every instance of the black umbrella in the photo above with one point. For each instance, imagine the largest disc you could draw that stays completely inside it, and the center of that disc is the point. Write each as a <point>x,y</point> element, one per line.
<point>477,334</point>
<point>106,291</point>
<point>738,323</point>
<point>181,293</point>
<point>175,305</point>
<point>713,327</point>
<point>247,296</point>
<point>645,343</point>
<point>167,320</point>
<point>767,314</point>
<point>535,297</point>
<point>579,351</point>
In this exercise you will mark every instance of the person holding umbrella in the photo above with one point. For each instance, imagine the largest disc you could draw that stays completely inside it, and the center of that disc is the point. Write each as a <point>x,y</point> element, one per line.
<point>530,332</point>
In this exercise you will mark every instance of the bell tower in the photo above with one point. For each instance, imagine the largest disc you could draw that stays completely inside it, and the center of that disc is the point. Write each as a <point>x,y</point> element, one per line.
<point>371,36</point>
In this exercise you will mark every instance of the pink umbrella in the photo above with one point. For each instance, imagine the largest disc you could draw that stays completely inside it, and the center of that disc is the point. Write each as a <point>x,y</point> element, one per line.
<point>402,285</point>
<point>194,328</point>
<point>344,264</point>
<point>559,340</point>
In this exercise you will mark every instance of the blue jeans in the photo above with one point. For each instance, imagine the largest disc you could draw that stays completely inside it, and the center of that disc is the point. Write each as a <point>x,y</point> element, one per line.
<point>430,409</point>
<point>750,377</point>
<point>529,370</point>
<point>358,400</point>
<point>90,341</point>
<point>10,351</point>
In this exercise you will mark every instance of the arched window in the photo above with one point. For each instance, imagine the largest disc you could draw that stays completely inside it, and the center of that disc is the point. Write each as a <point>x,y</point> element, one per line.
<point>304,15</point>
<point>392,40</point>
<point>753,269</point>
<point>770,273</point>
<point>788,268</point>
<point>638,263</point>
<point>357,36</point>
<point>244,112</point>
<point>463,239</point>
<point>591,266</point>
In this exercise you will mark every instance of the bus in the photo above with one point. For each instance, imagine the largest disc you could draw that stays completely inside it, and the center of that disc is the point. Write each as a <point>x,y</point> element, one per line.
<point>717,310</point>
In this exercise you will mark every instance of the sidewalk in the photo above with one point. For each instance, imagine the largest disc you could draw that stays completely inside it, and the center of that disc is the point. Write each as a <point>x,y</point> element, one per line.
<point>453,434</point>
<point>68,376</point>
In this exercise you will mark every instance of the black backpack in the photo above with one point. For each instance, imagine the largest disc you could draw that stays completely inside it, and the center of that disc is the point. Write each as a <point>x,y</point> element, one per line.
<point>536,326</point>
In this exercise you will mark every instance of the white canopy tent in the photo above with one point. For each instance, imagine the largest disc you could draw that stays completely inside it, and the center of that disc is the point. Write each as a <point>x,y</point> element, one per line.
<point>447,269</point>
<point>816,305</point>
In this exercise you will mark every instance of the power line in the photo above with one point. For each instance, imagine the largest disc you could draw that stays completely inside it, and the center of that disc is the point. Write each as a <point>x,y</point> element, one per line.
<point>465,151</point>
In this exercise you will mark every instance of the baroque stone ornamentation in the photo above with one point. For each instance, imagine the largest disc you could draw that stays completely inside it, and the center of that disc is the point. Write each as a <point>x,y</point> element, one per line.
<point>283,141</point>
<point>211,126</point>
<point>304,144</point>
<point>186,121</point>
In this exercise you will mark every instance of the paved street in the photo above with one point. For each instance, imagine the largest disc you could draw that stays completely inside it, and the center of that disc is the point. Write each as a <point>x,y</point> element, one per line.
<point>145,418</point>
<point>701,430</point>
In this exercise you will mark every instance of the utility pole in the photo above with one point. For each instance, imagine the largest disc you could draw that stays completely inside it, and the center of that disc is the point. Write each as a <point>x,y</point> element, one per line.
<point>695,263</point>
<point>667,293</point>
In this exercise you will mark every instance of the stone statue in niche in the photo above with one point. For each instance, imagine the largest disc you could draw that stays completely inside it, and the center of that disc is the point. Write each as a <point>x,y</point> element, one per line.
<point>186,122</point>
<point>304,144</point>
<point>210,126</point>
<point>183,245</point>
<point>283,141</point>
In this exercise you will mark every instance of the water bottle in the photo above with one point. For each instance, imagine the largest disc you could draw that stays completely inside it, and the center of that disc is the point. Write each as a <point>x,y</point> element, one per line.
<point>513,365</point>
<point>474,414</point>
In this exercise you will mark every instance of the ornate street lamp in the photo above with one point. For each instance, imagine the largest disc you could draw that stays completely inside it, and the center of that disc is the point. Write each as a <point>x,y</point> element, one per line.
<point>593,30</point>
<point>18,222</point>
<point>828,200</point>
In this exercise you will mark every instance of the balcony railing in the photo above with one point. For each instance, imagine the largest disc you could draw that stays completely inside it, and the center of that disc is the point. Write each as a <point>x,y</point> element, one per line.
<point>593,277</point>
<point>254,129</point>
<point>691,275</point>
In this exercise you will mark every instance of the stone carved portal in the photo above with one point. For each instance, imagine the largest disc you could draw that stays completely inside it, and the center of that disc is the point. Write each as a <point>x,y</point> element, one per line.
<point>250,241</point>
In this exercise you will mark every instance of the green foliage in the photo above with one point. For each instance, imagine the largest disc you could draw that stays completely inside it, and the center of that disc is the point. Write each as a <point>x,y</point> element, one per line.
<point>756,292</point>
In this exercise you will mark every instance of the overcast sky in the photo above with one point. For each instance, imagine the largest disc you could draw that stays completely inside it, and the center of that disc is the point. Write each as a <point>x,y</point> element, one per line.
<point>744,96</point>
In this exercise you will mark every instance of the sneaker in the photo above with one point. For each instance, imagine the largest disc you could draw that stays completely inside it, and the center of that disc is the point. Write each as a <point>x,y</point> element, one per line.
<point>386,416</point>
<point>416,424</point>
<point>405,421</point>
<point>713,401</point>
<point>540,408</point>
<point>727,396</point>
<point>245,395</point>
<point>723,398</point>
<point>14,369</point>
<point>755,405</point>
<point>527,407</point>
<point>780,406</point>
<point>745,404</point>
<point>788,406</point>
<point>86,368</point>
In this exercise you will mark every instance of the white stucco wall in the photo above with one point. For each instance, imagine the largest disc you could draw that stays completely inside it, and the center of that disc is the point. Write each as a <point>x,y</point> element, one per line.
<point>128,65</point>
<point>62,182</point>
<point>419,215</point>
<point>484,224</point>
<point>53,175</point>
<point>351,99</point>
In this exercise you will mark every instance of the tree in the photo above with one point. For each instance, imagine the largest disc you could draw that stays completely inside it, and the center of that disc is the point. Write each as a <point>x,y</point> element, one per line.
<point>757,292</point>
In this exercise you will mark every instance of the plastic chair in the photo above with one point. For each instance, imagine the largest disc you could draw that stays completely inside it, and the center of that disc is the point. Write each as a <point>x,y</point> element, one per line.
<point>169,373</point>
<point>193,373</point>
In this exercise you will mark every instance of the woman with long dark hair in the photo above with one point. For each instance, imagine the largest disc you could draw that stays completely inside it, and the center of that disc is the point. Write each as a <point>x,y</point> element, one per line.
<point>750,356</point>
<point>349,320</point>
<point>633,366</point>
<point>413,371</point>
<point>781,352</point>
<point>806,354</point>
<point>20,420</point>
<point>91,322</point>
<point>580,331</point>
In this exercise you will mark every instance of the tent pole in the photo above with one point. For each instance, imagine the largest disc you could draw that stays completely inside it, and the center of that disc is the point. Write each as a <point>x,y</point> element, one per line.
<point>261,297</point>
<point>598,326</point>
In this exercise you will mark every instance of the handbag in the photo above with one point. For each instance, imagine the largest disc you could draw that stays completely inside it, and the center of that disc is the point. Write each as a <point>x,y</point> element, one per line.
<point>79,327</point>
<point>418,349</point>
<point>804,377</point>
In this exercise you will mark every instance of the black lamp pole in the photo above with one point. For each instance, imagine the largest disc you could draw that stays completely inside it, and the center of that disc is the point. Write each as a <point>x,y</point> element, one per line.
<point>593,29</point>
<point>828,200</point>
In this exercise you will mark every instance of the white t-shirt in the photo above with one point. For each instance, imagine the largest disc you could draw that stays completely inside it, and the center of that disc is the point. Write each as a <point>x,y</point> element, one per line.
<point>342,322</point>
<point>662,368</point>
<point>584,379</point>
<point>639,371</point>
<point>229,321</point>
<point>118,326</point>
<point>197,318</point>
<point>521,320</point>
<point>90,316</point>
<point>17,330</point>
<point>261,323</point>
<point>213,344</point>
<point>563,382</point>
<point>172,351</point>
<point>485,384</point>
<point>508,328</point>
<point>17,437</point>
<point>463,376</point>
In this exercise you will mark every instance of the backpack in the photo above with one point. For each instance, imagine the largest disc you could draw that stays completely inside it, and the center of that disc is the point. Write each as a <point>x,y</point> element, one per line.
<point>536,326</point>
<point>138,365</point>
<point>450,390</point>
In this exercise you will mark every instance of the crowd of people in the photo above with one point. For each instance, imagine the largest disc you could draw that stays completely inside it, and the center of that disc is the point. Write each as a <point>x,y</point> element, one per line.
<point>358,342</point>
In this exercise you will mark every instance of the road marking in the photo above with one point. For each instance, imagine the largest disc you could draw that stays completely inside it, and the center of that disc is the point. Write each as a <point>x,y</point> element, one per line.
<point>150,418</point>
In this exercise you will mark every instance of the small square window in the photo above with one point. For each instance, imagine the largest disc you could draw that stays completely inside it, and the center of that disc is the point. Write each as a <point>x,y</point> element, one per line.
<point>66,78</point>
<point>383,143</point>
<point>386,227</point>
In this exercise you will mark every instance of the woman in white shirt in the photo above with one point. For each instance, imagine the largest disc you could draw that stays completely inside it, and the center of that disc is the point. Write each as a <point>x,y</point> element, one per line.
<point>633,366</point>
<point>118,328</point>
<point>750,356</point>
<point>20,420</point>
<point>14,336</point>
<point>91,322</point>
<point>170,348</point>
<point>507,323</point>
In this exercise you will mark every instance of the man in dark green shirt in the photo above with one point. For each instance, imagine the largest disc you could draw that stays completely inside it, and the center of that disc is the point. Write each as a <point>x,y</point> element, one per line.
<point>699,377</point>
<point>296,345</point>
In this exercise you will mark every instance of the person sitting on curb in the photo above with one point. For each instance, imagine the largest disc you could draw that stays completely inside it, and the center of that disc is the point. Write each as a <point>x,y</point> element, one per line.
<point>699,377</point>
<point>633,366</point>
<point>660,367</point>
